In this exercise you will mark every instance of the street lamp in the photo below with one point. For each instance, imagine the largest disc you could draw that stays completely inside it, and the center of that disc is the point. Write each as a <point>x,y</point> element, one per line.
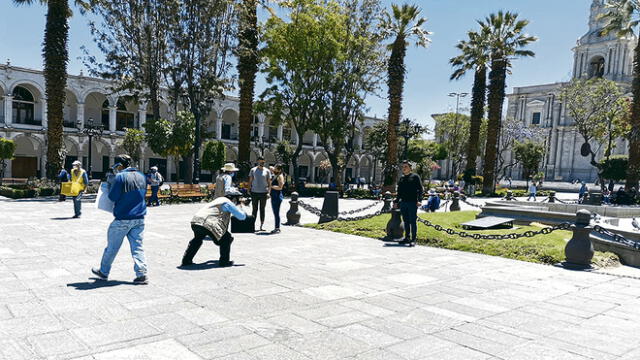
<point>409,130</point>
<point>90,129</point>
<point>260,143</point>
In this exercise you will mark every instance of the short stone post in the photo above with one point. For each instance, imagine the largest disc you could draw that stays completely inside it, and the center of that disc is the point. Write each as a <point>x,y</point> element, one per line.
<point>329,207</point>
<point>455,202</point>
<point>395,226</point>
<point>552,196</point>
<point>388,201</point>
<point>293,215</point>
<point>579,250</point>
<point>509,195</point>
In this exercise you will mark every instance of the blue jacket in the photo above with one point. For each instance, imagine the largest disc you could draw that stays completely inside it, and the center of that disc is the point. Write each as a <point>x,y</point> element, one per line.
<point>128,192</point>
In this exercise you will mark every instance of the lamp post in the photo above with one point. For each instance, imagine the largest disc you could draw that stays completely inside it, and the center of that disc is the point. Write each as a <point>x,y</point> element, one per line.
<point>260,143</point>
<point>455,126</point>
<point>90,130</point>
<point>409,130</point>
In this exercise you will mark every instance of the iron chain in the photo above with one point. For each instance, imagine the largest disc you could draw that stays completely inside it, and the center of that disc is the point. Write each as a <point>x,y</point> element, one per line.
<point>617,237</point>
<point>513,236</point>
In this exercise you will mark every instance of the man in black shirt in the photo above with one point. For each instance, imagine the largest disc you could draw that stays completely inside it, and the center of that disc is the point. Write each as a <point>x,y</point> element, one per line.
<point>410,198</point>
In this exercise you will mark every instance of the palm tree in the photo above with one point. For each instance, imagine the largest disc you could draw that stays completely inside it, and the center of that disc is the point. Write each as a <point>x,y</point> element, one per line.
<point>623,17</point>
<point>247,53</point>
<point>506,40</point>
<point>56,56</point>
<point>474,55</point>
<point>402,25</point>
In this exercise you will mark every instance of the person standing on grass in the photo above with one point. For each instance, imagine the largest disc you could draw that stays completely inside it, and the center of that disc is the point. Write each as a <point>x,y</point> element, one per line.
<point>127,191</point>
<point>155,180</point>
<point>277,184</point>
<point>259,184</point>
<point>410,198</point>
<point>78,175</point>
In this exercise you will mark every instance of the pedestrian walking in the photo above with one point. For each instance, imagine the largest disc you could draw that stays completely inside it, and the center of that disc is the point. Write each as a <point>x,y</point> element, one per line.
<point>277,184</point>
<point>78,175</point>
<point>584,190</point>
<point>532,191</point>
<point>410,198</point>
<point>213,221</point>
<point>259,185</point>
<point>127,191</point>
<point>63,176</point>
<point>155,180</point>
<point>224,180</point>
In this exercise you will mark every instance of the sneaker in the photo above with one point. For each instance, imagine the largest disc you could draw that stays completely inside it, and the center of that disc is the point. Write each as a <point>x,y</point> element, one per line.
<point>99,274</point>
<point>184,263</point>
<point>275,231</point>
<point>141,280</point>
<point>75,216</point>
<point>225,264</point>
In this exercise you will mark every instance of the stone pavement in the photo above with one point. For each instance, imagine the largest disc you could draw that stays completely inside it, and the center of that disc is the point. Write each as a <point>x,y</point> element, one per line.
<point>303,294</point>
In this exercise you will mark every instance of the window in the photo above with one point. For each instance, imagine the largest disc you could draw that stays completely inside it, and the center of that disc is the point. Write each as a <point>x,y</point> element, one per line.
<point>105,114</point>
<point>124,119</point>
<point>226,131</point>
<point>23,107</point>
<point>596,67</point>
<point>535,119</point>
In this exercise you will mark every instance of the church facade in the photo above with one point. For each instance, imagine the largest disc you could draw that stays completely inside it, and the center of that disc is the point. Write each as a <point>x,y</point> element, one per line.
<point>609,57</point>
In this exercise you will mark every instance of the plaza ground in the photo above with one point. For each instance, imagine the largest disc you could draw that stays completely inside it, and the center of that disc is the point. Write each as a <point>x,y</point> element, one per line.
<point>302,294</point>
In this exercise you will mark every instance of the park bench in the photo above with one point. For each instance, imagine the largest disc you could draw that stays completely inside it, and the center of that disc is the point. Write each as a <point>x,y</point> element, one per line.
<point>192,191</point>
<point>160,194</point>
<point>13,181</point>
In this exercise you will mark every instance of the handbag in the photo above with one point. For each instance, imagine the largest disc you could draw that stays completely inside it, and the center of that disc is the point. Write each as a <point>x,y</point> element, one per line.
<point>248,225</point>
<point>102,200</point>
<point>70,188</point>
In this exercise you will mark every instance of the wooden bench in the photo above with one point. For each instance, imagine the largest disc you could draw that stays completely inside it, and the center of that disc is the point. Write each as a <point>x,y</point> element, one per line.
<point>192,191</point>
<point>160,194</point>
<point>13,181</point>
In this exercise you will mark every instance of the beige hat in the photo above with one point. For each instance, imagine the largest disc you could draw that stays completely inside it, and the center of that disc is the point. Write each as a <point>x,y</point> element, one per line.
<point>229,167</point>
<point>76,163</point>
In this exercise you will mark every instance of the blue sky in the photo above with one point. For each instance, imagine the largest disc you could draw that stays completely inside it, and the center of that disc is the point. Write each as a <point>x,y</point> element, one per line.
<point>558,24</point>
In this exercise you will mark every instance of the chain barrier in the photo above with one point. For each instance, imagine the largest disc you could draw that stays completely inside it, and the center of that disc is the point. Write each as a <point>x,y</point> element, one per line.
<point>568,202</point>
<point>513,236</point>
<point>464,200</point>
<point>317,212</point>
<point>351,212</point>
<point>616,237</point>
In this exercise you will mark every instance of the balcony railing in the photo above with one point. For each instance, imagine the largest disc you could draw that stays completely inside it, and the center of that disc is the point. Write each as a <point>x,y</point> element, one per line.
<point>33,122</point>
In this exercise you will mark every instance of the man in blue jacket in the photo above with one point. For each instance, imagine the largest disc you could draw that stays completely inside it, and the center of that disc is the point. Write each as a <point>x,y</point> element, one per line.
<point>127,191</point>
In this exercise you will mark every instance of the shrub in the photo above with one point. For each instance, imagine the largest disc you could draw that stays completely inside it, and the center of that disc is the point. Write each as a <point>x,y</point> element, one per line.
<point>359,194</point>
<point>17,193</point>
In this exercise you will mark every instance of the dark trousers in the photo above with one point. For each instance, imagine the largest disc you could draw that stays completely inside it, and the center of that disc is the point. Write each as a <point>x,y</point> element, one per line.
<point>77,204</point>
<point>261,200</point>
<point>199,233</point>
<point>276,201</point>
<point>409,212</point>
<point>153,199</point>
<point>62,197</point>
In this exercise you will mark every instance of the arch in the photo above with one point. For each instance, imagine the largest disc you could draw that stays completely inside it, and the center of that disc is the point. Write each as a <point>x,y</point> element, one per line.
<point>232,154</point>
<point>27,105</point>
<point>70,110</point>
<point>72,146</point>
<point>597,66</point>
<point>101,154</point>
<point>3,87</point>
<point>28,156</point>
<point>28,83</point>
<point>93,108</point>
<point>230,124</point>
<point>84,95</point>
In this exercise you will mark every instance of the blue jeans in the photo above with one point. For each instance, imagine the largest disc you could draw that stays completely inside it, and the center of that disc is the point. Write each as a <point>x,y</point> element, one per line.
<point>409,212</point>
<point>276,201</point>
<point>77,204</point>
<point>133,230</point>
<point>154,196</point>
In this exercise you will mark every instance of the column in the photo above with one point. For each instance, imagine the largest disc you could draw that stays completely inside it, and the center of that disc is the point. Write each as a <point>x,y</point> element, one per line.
<point>280,131</point>
<point>8,109</point>
<point>80,117</point>
<point>112,118</point>
<point>45,121</point>
<point>219,126</point>
<point>315,140</point>
<point>142,115</point>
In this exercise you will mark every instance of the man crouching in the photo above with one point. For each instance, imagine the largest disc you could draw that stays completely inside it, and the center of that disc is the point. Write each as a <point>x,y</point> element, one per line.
<point>213,220</point>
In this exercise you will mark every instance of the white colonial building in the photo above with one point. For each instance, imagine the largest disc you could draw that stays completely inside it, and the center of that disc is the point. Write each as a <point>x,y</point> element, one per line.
<point>23,118</point>
<point>610,57</point>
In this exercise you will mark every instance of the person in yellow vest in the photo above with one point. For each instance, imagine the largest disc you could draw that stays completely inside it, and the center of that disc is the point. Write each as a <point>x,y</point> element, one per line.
<point>78,175</point>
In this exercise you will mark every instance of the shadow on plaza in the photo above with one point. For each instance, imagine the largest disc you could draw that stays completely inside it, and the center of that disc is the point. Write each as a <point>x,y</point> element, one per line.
<point>211,264</point>
<point>97,283</point>
<point>63,218</point>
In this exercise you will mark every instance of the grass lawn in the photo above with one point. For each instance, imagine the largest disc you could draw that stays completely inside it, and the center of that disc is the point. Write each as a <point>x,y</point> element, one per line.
<point>545,249</point>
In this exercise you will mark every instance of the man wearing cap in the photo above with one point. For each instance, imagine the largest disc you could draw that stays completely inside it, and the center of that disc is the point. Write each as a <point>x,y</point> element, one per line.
<point>224,181</point>
<point>78,175</point>
<point>212,221</point>
<point>155,179</point>
<point>127,191</point>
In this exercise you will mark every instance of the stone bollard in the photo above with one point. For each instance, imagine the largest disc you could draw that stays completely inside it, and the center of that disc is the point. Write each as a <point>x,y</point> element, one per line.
<point>329,207</point>
<point>293,215</point>
<point>509,195</point>
<point>552,197</point>
<point>388,201</point>
<point>395,226</point>
<point>579,250</point>
<point>455,202</point>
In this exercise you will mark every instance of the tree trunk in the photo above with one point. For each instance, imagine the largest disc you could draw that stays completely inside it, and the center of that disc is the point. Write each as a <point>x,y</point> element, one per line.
<point>633,172</point>
<point>478,96</point>
<point>247,69</point>
<point>395,82</point>
<point>56,57</point>
<point>497,78</point>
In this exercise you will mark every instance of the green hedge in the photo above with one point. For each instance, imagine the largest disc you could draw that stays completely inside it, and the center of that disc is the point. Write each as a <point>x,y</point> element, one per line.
<point>21,192</point>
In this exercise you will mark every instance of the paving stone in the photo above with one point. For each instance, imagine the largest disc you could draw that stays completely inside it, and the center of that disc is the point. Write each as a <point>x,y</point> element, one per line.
<point>368,335</point>
<point>230,346</point>
<point>275,352</point>
<point>160,350</point>
<point>332,292</point>
<point>56,343</point>
<point>534,351</point>
<point>116,332</point>
<point>202,316</point>
<point>31,325</point>
<point>12,349</point>
<point>327,345</point>
<point>421,347</point>
<point>297,323</point>
<point>344,319</point>
<point>172,324</point>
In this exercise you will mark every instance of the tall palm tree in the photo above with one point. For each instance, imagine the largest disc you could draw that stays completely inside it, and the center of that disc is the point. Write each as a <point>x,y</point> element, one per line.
<point>247,54</point>
<point>506,40</point>
<point>474,55</point>
<point>623,17</point>
<point>403,25</point>
<point>56,56</point>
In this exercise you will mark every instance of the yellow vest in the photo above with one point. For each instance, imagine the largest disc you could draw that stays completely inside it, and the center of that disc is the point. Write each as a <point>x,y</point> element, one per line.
<point>78,176</point>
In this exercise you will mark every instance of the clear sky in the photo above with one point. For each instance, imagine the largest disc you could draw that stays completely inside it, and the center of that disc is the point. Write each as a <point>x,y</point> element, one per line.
<point>558,24</point>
